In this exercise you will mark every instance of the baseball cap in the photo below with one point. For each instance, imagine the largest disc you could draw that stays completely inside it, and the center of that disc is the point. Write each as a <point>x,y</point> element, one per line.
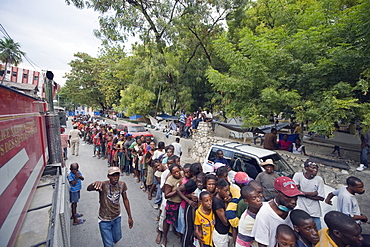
<point>121,132</point>
<point>287,186</point>
<point>242,178</point>
<point>114,169</point>
<point>128,134</point>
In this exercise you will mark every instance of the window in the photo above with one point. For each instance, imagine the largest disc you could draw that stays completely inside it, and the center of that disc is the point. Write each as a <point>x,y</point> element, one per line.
<point>8,71</point>
<point>25,76</point>
<point>228,155</point>
<point>35,78</point>
<point>14,73</point>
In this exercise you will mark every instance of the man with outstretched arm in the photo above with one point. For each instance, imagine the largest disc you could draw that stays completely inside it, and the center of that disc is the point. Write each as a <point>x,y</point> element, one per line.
<point>110,192</point>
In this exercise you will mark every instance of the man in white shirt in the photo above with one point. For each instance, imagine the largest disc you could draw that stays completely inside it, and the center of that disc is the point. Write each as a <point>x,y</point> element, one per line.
<point>347,202</point>
<point>178,147</point>
<point>74,137</point>
<point>208,116</point>
<point>312,186</point>
<point>275,212</point>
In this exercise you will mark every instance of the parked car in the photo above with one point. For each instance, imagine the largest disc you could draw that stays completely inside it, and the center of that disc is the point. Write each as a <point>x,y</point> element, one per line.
<point>134,129</point>
<point>239,156</point>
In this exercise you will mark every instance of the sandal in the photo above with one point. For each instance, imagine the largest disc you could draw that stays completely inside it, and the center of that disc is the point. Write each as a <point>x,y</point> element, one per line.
<point>81,221</point>
<point>77,215</point>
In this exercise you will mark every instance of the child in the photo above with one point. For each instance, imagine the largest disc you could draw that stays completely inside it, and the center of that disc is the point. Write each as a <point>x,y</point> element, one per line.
<point>246,221</point>
<point>304,227</point>
<point>200,181</point>
<point>285,236</point>
<point>211,183</point>
<point>204,220</point>
<point>190,201</point>
<point>75,181</point>
<point>220,235</point>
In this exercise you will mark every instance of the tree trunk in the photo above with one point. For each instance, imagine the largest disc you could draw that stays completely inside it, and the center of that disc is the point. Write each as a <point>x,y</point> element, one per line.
<point>5,70</point>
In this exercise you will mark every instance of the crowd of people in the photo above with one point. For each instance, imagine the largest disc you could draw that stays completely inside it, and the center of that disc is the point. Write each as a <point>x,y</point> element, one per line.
<point>226,208</point>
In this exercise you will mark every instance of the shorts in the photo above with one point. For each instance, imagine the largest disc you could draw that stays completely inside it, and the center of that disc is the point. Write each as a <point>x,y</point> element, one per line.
<point>172,212</point>
<point>74,196</point>
<point>221,240</point>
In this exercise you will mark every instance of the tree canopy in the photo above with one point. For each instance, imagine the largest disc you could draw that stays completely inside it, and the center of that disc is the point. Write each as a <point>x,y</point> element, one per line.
<point>249,59</point>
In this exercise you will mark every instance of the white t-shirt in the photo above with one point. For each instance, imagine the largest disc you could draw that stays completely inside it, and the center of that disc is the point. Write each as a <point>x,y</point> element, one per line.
<point>264,229</point>
<point>296,150</point>
<point>178,149</point>
<point>312,207</point>
<point>157,153</point>
<point>208,115</point>
<point>163,181</point>
<point>347,203</point>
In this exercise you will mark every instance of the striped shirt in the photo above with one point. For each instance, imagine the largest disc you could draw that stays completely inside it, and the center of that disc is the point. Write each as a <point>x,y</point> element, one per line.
<point>71,177</point>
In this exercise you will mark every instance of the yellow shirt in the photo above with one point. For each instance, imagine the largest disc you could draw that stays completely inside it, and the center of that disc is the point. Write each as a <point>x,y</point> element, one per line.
<point>325,240</point>
<point>208,224</point>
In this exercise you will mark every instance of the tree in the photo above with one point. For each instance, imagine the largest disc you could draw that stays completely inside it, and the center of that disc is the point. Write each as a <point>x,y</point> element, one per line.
<point>83,82</point>
<point>171,31</point>
<point>303,56</point>
<point>136,100</point>
<point>10,53</point>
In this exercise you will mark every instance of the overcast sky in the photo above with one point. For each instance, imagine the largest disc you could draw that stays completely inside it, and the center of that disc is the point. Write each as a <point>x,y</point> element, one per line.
<point>50,32</point>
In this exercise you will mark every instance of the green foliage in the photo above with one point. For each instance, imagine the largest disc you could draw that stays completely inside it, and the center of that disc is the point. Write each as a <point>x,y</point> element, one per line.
<point>136,100</point>
<point>10,53</point>
<point>303,56</point>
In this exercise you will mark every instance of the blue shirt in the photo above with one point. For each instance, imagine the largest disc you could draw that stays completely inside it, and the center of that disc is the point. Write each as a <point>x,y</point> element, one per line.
<point>223,161</point>
<point>71,177</point>
<point>182,118</point>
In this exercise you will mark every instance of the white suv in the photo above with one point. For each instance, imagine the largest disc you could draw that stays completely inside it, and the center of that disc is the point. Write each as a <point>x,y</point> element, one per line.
<point>242,157</point>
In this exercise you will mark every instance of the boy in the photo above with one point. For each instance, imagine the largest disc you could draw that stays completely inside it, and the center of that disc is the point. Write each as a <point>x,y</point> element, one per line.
<point>246,222</point>
<point>220,235</point>
<point>305,228</point>
<point>204,220</point>
<point>110,212</point>
<point>75,181</point>
<point>347,202</point>
<point>285,236</point>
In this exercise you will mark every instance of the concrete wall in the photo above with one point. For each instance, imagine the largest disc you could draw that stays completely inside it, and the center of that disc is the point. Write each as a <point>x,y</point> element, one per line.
<point>159,136</point>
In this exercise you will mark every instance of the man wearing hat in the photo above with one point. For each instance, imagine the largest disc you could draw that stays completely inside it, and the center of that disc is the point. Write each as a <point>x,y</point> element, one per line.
<point>267,179</point>
<point>110,192</point>
<point>275,212</point>
<point>312,186</point>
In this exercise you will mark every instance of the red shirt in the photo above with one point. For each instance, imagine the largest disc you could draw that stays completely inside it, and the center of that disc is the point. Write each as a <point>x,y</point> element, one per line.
<point>188,121</point>
<point>285,144</point>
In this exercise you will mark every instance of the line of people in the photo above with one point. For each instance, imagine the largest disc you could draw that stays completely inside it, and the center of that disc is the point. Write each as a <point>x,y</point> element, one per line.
<point>231,209</point>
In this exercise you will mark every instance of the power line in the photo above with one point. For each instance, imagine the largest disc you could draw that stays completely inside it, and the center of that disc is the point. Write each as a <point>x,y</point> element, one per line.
<point>3,30</point>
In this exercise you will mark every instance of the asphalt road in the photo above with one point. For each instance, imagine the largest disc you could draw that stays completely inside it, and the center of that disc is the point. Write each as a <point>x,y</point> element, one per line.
<point>144,231</point>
